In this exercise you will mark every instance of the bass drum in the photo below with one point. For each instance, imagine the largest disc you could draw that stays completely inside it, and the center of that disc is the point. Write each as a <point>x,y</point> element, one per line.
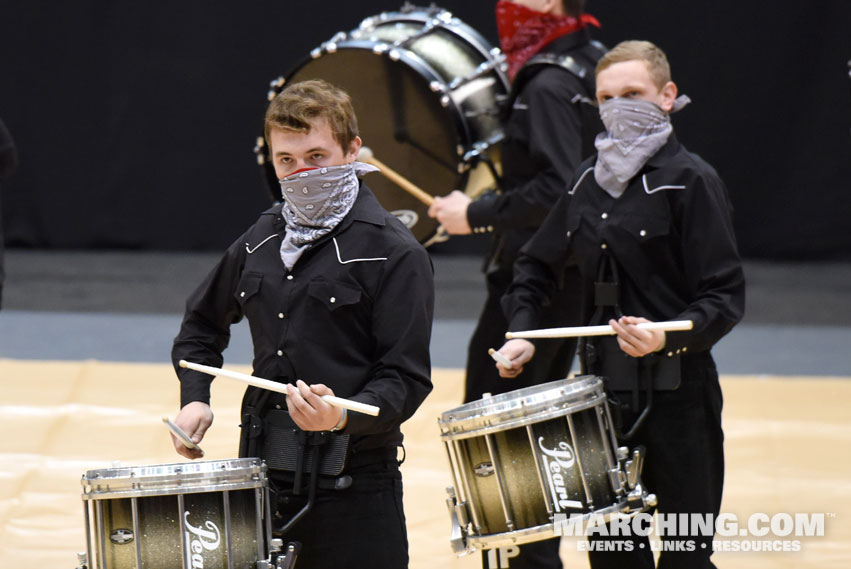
<point>427,90</point>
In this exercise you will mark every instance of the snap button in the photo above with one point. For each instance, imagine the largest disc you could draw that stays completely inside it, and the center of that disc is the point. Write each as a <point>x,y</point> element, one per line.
<point>605,216</point>
<point>242,294</point>
<point>642,233</point>
<point>670,354</point>
<point>280,352</point>
<point>333,299</point>
<point>604,246</point>
<point>289,277</point>
<point>490,227</point>
<point>280,314</point>
<point>277,406</point>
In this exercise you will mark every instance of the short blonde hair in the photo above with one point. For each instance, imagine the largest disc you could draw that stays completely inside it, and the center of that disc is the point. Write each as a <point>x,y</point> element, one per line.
<point>302,102</point>
<point>631,50</point>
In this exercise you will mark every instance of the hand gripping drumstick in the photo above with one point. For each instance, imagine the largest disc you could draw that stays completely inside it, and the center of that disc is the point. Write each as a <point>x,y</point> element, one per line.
<point>605,330</point>
<point>499,358</point>
<point>280,388</point>
<point>366,155</point>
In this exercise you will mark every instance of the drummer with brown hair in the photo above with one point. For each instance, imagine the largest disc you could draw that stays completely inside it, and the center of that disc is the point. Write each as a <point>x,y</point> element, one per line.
<point>549,123</point>
<point>339,298</point>
<point>650,226</point>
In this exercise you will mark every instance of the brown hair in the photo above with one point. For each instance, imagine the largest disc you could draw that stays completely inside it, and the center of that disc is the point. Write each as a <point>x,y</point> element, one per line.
<point>299,103</point>
<point>655,58</point>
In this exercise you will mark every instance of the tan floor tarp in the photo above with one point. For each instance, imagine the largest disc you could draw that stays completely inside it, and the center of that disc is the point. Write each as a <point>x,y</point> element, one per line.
<point>786,445</point>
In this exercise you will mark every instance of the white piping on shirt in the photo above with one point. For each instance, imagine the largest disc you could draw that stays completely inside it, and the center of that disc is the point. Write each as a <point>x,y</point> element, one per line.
<point>250,251</point>
<point>656,189</point>
<point>342,262</point>
<point>579,181</point>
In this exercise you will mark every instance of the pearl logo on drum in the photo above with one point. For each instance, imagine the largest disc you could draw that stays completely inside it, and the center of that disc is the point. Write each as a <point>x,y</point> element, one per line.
<point>199,541</point>
<point>557,463</point>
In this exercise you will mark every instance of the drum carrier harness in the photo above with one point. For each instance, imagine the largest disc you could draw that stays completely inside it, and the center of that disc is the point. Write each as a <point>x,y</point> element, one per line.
<point>622,374</point>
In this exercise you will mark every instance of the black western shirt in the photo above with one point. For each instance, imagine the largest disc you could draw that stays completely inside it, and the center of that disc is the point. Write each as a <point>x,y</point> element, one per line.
<point>670,234</point>
<point>355,313</point>
<point>548,132</point>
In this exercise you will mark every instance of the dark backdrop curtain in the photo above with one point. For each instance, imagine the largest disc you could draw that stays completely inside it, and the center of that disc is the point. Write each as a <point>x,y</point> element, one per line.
<point>135,121</point>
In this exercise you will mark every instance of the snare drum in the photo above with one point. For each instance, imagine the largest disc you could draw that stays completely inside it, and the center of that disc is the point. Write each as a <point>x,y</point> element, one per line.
<point>426,89</point>
<point>527,461</point>
<point>212,514</point>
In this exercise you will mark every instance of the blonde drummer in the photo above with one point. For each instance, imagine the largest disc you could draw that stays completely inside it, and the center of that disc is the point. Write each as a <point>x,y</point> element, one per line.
<point>650,226</point>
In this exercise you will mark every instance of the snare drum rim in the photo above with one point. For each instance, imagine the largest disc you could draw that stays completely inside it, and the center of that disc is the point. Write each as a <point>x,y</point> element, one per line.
<point>97,493</point>
<point>523,406</point>
<point>174,478</point>
<point>532,534</point>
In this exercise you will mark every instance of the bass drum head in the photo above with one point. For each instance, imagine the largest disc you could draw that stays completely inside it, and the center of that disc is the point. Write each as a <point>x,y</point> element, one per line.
<point>402,122</point>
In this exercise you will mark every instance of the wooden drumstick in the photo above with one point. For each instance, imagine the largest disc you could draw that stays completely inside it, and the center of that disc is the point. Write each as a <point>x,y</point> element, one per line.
<point>280,387</point>
<point>366,155</point>
<point>605,330</point>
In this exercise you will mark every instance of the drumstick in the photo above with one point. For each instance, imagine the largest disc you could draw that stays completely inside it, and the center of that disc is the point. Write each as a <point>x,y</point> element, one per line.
<point>499,358</point>
<point>181,435</point>
<point>366,155</point>
<point>280,387</point>
<point>605,330</point>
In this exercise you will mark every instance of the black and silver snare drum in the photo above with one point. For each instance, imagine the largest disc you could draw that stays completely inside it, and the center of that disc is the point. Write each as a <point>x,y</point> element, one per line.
<point>525,461</point>
<point>211,514</point>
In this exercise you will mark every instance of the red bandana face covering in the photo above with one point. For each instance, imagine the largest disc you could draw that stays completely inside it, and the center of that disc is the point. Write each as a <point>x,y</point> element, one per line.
<point>523,32</point>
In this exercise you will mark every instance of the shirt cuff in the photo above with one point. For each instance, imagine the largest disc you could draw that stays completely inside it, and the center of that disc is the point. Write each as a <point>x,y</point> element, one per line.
<point>481,214</point>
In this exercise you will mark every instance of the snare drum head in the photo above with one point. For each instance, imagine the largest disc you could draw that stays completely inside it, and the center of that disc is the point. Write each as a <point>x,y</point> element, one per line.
<point>521,406</point>
<point>175,478</point>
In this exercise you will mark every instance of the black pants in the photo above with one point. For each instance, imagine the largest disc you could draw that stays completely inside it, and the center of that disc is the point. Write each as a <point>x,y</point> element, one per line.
<point>552,361</point>
<point>553,358</point>
<point>361,526</point>
<point>684,467</point>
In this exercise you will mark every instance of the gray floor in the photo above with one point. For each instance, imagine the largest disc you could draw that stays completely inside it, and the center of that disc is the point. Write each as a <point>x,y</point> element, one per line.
<point>126,306</point>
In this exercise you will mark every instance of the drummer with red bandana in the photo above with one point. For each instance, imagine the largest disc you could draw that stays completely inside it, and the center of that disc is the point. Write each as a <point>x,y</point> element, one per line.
<point>549,123</point>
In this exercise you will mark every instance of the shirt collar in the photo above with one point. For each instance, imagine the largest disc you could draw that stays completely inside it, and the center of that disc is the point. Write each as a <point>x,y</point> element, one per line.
<point>666,153</point>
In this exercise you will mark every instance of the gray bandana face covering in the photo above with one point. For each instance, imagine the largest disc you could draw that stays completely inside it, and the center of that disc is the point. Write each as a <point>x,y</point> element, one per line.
<point>315,201</point>
<point>635,131</point>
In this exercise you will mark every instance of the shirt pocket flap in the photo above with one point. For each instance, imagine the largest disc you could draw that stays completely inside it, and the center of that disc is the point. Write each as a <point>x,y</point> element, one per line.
<point>645,227</point>
<point>334,294</point>
<point>248,286</point>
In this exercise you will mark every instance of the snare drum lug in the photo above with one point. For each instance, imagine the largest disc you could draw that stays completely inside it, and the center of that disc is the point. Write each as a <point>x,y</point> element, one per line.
<point>437,87</point>
<point>444,101</point>
<point>331,47</point>
<point>394,55</point>
<point>315,52</point>
<point>276,544</point>
<point>271,95</point>
<point>83,560</point>
<point>380,48</point>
